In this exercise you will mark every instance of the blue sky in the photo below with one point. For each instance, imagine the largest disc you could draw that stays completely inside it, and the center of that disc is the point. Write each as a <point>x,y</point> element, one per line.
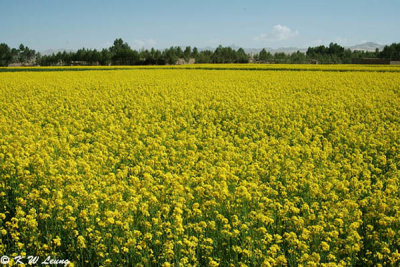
<point>74,24</point>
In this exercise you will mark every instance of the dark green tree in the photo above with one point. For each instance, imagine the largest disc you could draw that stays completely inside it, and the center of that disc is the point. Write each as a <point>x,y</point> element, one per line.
<point>195,52</point>
<point>265,56</point>
<point>241,56</point>
<point>297,58</point>
<point>5,55</point>
<point>122,54</point>
<point>391,52</point>
<point>187,53</point>
<point>170,56</point>
<point>105,57</point>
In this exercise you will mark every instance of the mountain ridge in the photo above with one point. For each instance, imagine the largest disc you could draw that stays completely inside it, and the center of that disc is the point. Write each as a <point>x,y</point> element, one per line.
<point>366,46</point>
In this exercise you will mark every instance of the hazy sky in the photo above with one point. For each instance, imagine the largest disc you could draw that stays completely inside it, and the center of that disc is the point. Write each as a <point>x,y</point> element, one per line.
<point>251,24</point>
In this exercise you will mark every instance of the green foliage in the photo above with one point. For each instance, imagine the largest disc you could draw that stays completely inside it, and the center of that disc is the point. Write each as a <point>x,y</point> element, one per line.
<point>120,53</point>
<point>265,56</point>
<point>391,52</point>
<point>21,55</point>
<point>5,55</point>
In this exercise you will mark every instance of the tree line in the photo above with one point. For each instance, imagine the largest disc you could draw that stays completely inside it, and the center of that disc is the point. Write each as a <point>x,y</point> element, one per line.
<point>120,53</point>
<point>22,54</point>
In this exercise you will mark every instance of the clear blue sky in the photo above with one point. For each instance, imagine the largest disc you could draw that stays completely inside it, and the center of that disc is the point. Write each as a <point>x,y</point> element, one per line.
<point>251,24</point>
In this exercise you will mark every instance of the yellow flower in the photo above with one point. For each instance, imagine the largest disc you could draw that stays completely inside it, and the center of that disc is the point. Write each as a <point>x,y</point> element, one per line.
<point>202,164</point>
<point>81,242</point>
<point>324,246</point>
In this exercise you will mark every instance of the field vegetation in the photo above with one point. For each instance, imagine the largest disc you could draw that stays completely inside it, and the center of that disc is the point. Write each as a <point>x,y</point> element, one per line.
<point>202,167</point>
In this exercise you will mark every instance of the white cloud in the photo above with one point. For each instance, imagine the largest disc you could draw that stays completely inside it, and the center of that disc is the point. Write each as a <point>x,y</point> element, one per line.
<point>278,33</point>
<point>145,43</point>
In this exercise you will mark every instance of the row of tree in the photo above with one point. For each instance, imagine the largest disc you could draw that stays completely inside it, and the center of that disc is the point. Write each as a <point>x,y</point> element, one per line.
<point>336,54</point>
<point>22,54</point>
<point>332,54</point>
<point>120,53</point>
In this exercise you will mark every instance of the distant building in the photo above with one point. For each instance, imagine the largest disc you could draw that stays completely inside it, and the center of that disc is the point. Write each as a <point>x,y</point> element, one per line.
<point>182,61</point>
<point>25,64</point>
<point>15,65</point>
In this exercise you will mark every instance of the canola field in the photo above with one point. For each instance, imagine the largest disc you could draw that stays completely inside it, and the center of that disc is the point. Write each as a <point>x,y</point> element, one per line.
<point>200,167</point>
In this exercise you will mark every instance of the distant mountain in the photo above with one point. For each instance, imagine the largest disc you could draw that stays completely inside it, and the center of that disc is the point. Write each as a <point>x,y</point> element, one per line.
<point>368,46</point>
<point>286,50</point>
<point>54,51</point>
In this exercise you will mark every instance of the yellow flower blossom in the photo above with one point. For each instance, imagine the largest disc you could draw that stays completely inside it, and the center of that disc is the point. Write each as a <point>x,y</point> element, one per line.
<point>220,165</point>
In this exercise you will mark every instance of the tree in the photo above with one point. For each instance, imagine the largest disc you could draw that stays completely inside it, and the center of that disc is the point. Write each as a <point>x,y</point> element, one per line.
<point>122,54</point>
<point>146,57</point>
<point>335,49</point>
<point>158,57</point>
<point>204,56</point>
<point>66,58</point>
<point>105,57</point>
<point>195,52</point>
<point>224,55</point>
<point>264,56</point>
<point>14,55</point>
<point>170,56</point>
<point>179,52</point>
<point>23,54</point>
<point>241,56</point>
<point>391,52</point>
<point>280,57</point>
<point>5,55</point>
<point>297,58</point>
<point>186,53</point>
